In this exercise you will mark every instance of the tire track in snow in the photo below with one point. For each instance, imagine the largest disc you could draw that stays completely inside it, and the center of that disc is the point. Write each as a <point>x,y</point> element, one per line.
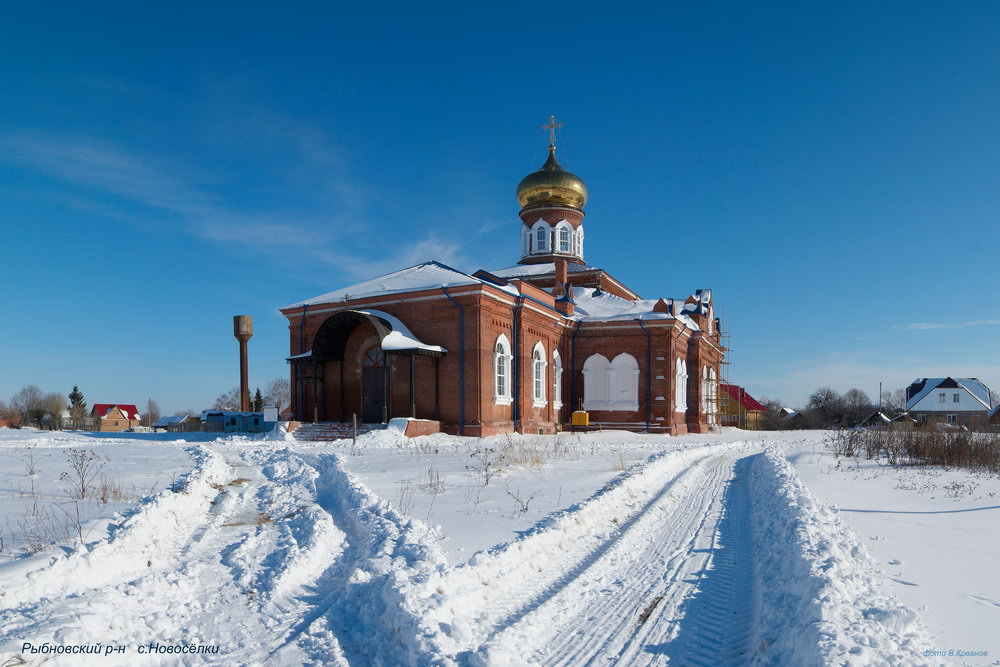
<point>719,624</point>
<point>362,599</point>
<point>630,593</point>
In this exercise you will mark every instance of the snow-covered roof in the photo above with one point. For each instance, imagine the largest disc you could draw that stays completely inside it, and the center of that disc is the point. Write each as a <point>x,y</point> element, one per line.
<point>400,338</point>
<point>166,421</point>
<point>519,270</point>
<point>130,411</point>
<point>877,416</point>
<point>429,275</point>
<point>593,305</point>
<point>974,386</point>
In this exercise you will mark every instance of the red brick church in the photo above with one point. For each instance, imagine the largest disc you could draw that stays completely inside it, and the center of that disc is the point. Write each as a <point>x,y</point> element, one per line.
<point>517,349</point>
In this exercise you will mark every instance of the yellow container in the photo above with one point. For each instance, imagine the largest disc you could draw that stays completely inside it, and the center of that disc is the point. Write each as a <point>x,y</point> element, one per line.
<point>581,418</point>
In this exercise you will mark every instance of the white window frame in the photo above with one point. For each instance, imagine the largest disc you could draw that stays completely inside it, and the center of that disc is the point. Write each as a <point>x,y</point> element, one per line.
<point>941,397</point>
<point>502,395</point>
<point>680,385</point>
<point>541,248</point>
<point>578,242</point>
<point>538,379</point>
<point>956,397</point>
<point>525,240</point>
<point>557,371</point>
<point>563,226</point>
<point>596,382</point>
<point>952,419</point>
<point>624,383</point>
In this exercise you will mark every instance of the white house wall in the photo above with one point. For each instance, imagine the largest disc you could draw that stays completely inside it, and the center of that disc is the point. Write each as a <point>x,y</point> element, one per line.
<point>931,402</point>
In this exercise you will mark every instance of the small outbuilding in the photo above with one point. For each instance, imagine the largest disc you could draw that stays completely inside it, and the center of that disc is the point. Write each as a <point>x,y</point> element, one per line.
<point>225,421</point>
<point>179,424</point>
<point>875,421</point>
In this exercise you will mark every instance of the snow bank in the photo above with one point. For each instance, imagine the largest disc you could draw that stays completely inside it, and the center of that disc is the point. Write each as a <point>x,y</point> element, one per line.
<point>154,527</point>
<point>821,594</point>
<point>383,574</point>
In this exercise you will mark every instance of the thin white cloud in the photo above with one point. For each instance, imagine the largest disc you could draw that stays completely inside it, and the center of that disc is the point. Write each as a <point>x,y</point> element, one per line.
<point>285,237</point>
<point>924,326</point>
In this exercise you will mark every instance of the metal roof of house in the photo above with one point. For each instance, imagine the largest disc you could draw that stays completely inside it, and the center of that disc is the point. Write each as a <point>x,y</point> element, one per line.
<point>974,386</point>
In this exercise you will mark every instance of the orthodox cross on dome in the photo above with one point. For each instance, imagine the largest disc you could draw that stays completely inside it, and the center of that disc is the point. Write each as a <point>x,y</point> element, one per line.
<point>551,127</point>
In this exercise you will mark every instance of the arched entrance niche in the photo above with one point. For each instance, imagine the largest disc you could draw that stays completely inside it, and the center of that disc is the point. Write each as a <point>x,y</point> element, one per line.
<point>363,363</point>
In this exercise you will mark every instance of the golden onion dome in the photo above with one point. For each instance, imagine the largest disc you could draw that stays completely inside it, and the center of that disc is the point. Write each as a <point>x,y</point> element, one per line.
<point>552,185</point>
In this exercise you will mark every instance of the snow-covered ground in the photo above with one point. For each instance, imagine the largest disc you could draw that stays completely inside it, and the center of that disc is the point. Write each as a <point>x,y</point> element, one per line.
<point>610,547</point>
<point>934,532</point>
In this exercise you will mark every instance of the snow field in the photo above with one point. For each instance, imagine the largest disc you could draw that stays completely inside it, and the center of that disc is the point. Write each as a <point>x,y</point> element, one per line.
<point>935,533</point>
<point>823,598</point>
<point>711,551</point>
<point>156,526</point>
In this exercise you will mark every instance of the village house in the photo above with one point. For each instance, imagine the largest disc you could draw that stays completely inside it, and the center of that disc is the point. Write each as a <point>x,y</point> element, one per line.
<point>738,408</point>
<point>114,416</point>
<point>961,401</point>
<point>514,349</point>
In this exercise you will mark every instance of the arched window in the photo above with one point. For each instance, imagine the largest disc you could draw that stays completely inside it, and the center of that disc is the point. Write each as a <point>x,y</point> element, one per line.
<point>611,385</point>
<point>704,390</point>
<point>374,358</point>
<point>525,241</point>
<point>501,371</point>
<point>596,383</point>
<point>578,242</point>
<point>557,370</point>
<point>711,393</point>
<point>538,364</point>
<point>680,385</point>
<point>540,233</point>
<point>564,237</point>
<point>624,382</point>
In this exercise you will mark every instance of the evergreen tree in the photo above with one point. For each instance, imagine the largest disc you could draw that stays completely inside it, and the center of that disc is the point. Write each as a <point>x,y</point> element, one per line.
<point>257,404</point>
<point>77,407</point>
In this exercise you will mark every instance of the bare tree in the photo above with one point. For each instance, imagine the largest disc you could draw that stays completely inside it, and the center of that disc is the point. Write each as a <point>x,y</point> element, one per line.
<point>825,407</point>
<point>994,398</point>
<point>774,418</point>
<point>228,401</point>
<point>856,404</point>
<point>53,406</point>
<point>152,413</point>
<point>27,402</point>
<point>894,402</point>
<point>277,392</point>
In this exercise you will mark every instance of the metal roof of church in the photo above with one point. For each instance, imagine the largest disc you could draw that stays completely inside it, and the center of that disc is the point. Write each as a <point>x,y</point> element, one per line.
<point>429,275</point>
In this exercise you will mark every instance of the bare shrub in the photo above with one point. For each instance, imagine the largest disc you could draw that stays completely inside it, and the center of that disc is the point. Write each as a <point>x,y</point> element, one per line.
<point>486,463</point>
<point>433,485</point>
<point>520,505</point>
<point>406,493</point>
<point>40,528</point>
<point>960,449</point>
<point>111,490</point>
<point>84,466</point>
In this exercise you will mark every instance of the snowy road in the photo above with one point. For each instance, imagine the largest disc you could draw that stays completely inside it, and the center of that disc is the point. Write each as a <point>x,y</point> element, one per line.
<point>281,556</point>
<point>622,598</point>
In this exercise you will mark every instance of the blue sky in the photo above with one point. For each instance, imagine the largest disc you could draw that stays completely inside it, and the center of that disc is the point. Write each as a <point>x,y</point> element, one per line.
<point>829,169</point>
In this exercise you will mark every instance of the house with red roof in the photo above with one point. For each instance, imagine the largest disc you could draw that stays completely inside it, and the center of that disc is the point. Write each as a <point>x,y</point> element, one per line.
<point>114,416</point>
<point>738,408</point>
